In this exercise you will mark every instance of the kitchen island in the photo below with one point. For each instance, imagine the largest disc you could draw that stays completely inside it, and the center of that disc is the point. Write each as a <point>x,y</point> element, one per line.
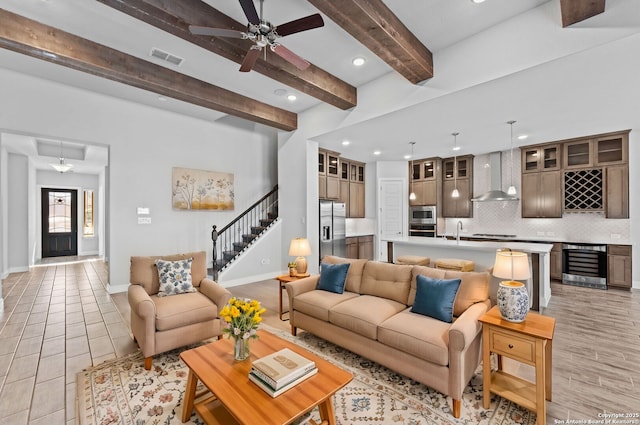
<point>484,255</point>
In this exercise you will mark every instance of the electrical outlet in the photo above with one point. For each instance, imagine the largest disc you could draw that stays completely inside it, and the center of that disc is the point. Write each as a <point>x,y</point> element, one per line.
<point>144,220</point>
<point>265,261</point>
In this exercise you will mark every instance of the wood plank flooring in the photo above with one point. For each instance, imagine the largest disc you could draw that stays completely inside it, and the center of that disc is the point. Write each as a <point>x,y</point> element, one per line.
<point>59,319</point>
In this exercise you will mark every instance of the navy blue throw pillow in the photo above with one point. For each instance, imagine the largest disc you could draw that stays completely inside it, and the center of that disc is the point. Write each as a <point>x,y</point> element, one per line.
<point>333,277</point>
<point>435,297</point>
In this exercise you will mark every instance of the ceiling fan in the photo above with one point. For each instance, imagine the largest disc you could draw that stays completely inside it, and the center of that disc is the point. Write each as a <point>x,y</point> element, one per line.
<point>264,34</point>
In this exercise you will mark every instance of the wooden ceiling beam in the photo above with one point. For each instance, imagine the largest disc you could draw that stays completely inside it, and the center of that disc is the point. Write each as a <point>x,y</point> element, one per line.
<point>574,11</point>
<point>175,17</point>
<point>44,42</point>
<point>373,24</point>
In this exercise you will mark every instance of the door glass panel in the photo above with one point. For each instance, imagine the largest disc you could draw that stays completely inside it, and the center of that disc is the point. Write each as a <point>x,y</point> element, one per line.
<point>428,169</point>
<point>59,212</point>
<point>531,160</point>
<point>88,228</point>
<point>610,150</point>
<point>550,157</point>
<point>578,154</point>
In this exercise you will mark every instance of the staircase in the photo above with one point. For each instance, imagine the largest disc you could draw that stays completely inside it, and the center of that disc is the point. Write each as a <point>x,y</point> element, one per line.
<point>234,238</point>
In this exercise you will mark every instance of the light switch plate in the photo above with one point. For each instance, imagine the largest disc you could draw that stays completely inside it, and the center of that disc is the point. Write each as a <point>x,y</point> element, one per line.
<point>144,220</point>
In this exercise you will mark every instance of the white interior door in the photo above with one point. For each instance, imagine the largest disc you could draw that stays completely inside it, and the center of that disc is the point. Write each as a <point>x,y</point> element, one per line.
<point>392,204</point>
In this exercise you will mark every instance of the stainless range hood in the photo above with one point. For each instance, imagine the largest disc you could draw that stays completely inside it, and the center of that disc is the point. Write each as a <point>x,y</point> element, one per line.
<point>496,193</point>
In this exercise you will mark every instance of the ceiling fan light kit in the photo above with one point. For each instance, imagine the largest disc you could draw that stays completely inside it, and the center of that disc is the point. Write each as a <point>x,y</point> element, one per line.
<point>264,34</point>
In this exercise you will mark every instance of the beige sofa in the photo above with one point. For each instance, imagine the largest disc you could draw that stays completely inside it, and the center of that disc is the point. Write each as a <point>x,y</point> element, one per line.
<point>373,318</point>
<point>160,324</point>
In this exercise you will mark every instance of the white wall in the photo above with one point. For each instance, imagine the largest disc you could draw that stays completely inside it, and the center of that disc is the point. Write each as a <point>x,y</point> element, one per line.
<point>144,144</point>
<point>17,258</point>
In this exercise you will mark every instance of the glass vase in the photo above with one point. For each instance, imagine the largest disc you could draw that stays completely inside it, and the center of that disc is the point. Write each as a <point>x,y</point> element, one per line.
<point>241,349</point>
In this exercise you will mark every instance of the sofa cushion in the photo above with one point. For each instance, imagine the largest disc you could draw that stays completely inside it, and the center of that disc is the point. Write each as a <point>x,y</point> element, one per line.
<point>174,277</point>
<point>182,310</point>
<point>333,277</point>
<point>386,280</point>
<point>474,288</point>
<point>317,303</point>
<point>143,269</point>
<point>354,277</point>
<point>425,271</point>
<point>435,297</point>
<point>363,314</point>
<point>421,336</point>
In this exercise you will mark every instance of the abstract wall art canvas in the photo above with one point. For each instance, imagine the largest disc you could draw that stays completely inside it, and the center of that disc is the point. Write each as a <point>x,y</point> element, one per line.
<point>202,190</point>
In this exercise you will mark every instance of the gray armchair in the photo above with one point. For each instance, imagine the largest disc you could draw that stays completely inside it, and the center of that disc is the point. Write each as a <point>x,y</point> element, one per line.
<point>160,324</point>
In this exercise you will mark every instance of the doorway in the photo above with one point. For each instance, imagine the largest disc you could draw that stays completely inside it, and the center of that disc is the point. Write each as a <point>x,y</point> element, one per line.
<point>59,222</point>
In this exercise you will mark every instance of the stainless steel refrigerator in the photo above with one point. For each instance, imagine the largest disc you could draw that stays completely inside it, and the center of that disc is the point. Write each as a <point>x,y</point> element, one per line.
<point>332,229</point>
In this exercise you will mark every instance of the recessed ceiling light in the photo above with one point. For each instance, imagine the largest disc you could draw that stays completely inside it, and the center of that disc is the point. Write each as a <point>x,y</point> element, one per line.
<point>523,136</point>
<point>477,1</point>
<point>279,92</point>
<point>456,148</point>
<point>346,143</point>
<point>407,157</point>
<point>358,61</point>
<point>377,152</point>
<point>292,97</point>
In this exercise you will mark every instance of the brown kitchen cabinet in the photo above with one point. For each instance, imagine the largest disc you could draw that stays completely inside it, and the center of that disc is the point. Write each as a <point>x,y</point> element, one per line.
<point>424,181</point>
<point>458,174</point>
<point>555,261</point>
<point>611,149</point>
<point>356,200</point>
<point>360,247</point>
<point>619,266</point>
<point>541,158</point>
<point>578,154</point>
<point>617,191</point>
<point>542,195</point>
<point>328,175</point>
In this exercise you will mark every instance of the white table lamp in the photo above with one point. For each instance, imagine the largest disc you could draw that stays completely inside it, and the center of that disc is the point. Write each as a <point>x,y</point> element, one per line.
<point>513,296</point>
<point>300,248</point>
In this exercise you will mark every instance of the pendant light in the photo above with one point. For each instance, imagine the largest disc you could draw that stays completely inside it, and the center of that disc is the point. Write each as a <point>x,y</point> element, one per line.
<point>512,189</point>
<point>455,193</point>
<point>60,166</point>
<point>412,195</point>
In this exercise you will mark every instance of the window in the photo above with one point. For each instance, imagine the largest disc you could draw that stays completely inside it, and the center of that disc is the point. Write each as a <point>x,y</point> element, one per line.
<point>87,227</point>
<point>59,212</point>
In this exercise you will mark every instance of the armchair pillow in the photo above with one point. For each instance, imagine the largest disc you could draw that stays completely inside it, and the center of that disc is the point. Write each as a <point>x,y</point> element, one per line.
<point>435,297</point>
<point>175,277</point>
<point>333,277</point>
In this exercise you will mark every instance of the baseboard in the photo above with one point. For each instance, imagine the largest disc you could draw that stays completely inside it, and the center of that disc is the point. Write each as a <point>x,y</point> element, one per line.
<point>116,289</point>
<point>247,279</point>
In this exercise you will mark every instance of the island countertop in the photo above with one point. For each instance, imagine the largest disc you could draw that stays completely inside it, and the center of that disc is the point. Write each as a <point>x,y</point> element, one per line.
<point>534,247</point>
<point>483,254</point>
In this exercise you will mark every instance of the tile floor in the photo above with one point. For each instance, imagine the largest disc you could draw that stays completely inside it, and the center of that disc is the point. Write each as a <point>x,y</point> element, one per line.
<point>58,319</point>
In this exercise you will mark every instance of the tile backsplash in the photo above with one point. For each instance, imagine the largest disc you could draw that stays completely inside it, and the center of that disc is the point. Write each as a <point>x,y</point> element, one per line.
<point>504,217</point>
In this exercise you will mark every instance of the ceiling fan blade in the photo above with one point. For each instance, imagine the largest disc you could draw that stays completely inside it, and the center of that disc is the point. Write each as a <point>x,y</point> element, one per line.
<point>298,25</point>
<point>250,11</point>
<point>290,57</point>
<point>216,32</point>
<point>250,59</point>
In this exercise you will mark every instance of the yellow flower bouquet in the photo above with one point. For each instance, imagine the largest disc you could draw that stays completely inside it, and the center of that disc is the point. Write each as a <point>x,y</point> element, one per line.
<point>242,318</point>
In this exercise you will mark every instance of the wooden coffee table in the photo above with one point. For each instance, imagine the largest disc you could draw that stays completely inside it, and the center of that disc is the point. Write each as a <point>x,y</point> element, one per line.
<point>235,399</point>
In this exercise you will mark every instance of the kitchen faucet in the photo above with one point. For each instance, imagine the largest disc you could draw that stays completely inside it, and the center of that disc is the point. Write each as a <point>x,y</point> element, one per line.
<point>458,229</point>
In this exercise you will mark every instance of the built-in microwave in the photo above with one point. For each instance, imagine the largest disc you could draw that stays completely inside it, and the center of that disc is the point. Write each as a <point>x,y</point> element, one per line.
<point>422,214</point>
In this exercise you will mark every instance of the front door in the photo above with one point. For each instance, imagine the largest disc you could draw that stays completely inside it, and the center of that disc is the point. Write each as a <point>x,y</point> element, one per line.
<point>59,222</point>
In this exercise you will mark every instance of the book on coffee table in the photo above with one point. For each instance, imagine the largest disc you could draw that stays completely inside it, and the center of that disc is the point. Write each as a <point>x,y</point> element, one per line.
<point>281,368</point>
<point>273,392</point>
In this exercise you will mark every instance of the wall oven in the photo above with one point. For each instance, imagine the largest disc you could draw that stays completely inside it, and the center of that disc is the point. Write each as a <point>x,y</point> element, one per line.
<point>584,265</point>
<point>422,214</point>
<point>423,230</point>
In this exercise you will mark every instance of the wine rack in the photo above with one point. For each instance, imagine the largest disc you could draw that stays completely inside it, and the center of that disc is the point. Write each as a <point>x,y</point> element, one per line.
<point>583,190</point>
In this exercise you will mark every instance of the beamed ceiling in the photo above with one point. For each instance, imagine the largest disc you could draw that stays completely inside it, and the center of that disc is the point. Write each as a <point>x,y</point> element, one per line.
<point>111,39</point>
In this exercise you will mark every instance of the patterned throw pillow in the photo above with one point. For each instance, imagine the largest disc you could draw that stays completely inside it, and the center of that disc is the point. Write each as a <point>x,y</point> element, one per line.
<point>175,277</point>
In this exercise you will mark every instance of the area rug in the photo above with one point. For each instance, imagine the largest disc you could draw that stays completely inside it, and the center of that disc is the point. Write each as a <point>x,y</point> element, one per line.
<point>122,392</point>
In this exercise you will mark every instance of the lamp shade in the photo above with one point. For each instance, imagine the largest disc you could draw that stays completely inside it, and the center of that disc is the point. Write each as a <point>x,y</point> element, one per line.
<point>511,265</point>
<point>299,247</point>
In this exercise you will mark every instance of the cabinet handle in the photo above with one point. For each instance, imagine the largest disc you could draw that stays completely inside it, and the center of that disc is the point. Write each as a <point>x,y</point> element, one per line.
<point>510,345</point>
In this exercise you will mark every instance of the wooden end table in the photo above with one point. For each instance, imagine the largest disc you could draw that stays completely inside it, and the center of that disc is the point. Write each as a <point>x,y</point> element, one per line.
<point>282,279</point>
<point>529,342</point>
<point>236,400</point>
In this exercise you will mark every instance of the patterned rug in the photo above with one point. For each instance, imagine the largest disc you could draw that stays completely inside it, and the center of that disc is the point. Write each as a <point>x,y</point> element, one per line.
<point>122,392</point>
